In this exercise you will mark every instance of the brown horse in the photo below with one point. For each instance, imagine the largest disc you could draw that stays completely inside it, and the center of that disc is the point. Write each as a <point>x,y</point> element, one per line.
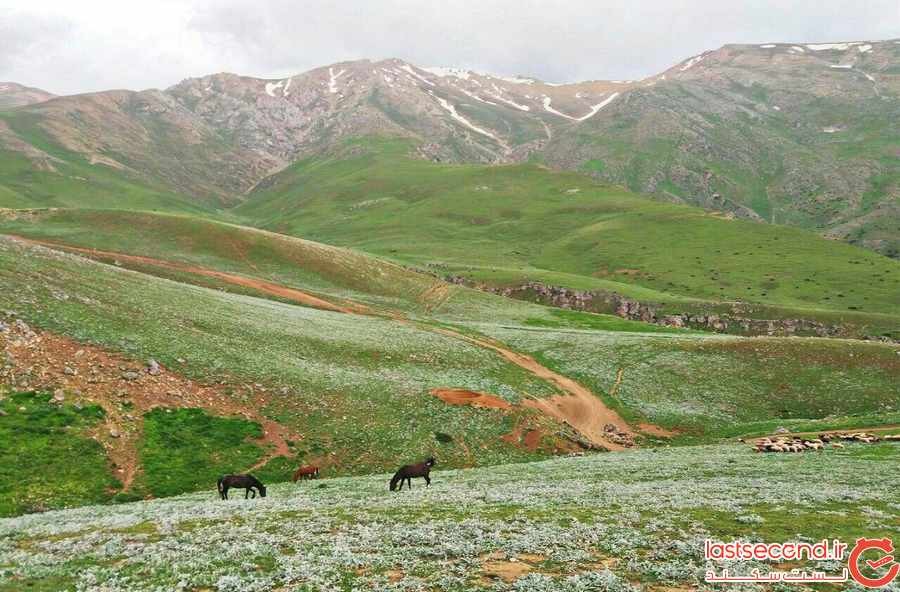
<point>307,472</point>
<point>407,471</point>
<point>247,482</point>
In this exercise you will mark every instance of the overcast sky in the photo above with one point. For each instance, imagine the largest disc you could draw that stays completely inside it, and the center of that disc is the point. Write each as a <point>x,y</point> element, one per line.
<point>70,46</point>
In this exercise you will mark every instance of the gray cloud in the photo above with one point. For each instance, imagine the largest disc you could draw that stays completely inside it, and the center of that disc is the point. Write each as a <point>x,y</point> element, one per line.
<point>91,45</point>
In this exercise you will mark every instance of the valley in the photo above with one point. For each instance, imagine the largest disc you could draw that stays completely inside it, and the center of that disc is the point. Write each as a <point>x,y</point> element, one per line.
<point>582,299</point>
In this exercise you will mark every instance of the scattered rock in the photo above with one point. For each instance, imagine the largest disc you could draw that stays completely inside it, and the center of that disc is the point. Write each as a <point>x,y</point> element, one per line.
<point>59,396</point>
<point>782,430</point>
<point>153,368</point>
<point>113,433</point>
<point>68,371</point>
<point>130,375</point>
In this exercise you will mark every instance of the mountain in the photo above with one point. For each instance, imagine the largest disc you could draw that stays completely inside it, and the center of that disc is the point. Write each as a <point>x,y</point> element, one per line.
<point>805,135</point>
<point>797,134</point>
<point>17,95</point>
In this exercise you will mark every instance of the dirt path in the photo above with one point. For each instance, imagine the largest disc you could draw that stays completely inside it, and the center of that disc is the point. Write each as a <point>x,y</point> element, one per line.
<point>579,407</point>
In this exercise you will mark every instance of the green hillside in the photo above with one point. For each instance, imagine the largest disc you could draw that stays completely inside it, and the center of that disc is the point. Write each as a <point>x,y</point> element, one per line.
<point>55,177</point>
<point>505,225</point>
<point>355,388</point>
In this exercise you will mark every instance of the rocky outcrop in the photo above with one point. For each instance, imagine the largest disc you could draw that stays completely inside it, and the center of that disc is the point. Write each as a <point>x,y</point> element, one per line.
<point>598,301</point>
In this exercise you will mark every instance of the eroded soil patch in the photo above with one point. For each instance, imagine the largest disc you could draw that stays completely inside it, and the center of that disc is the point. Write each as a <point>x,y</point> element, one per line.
<point>466,397</point>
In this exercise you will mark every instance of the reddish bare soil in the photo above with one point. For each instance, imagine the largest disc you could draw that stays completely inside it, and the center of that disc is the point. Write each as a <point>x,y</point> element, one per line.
<point>464,397</point>
<point>126,391</point>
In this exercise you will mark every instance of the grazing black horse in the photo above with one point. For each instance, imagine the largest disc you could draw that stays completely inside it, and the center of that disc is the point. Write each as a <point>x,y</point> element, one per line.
<point>248,482</point>
<point>407,471</point>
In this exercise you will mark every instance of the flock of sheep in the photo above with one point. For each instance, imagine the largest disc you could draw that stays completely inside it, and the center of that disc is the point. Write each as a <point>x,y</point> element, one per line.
<point>787,443</point>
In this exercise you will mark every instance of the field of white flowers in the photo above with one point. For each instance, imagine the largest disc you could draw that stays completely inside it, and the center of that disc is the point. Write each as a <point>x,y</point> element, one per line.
<point>618,521</point>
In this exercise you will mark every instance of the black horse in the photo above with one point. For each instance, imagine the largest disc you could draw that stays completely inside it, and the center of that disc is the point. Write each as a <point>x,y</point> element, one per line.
<point>247,482</point>
<point>406,472</point>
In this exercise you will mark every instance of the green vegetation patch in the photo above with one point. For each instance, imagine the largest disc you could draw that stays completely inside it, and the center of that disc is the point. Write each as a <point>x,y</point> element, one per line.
<point>187,449</point>
<point>47,460</point>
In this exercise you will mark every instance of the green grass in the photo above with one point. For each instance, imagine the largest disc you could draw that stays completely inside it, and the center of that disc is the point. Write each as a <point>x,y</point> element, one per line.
<point>187,449</point>
<point>505,224</point>
<point>47,459</point>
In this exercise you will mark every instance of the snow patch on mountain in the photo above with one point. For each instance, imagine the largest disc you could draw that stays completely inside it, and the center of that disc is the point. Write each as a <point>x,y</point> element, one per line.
<point>332,82</point>
<point>445,72</point>
<point>499,96</point>
<point>286,92</point>
<point>598,106</point>
<point>841,66</point>
<point>547,102</point>
<point>408,68</point>
<point>691,62</point>
<point>593,111</point>
<point>518,80</point>
<point>835,46</point>
<point>453,113</point>
<point>865,48</point>
<point>271,87</point>
<point>474,96</point>
<point>768,46</point>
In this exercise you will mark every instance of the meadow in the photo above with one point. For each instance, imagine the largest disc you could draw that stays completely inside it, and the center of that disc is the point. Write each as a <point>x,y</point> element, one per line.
<point>618,522</point>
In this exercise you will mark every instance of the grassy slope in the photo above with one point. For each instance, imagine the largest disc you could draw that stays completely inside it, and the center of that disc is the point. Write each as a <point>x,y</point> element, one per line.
<point>507,224</point>
<point>643,515</point>
<point>47,459</point>
<point>226,247</point>
<point>355,387</point>
<point>75,182</point>
<point>317,268</point>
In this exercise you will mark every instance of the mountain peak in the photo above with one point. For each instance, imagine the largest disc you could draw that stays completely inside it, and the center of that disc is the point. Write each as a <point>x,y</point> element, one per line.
<point>13,94</point>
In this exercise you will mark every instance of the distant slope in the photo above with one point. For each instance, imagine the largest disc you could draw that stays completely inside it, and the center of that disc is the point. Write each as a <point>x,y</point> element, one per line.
<point>192,241</point>
<point>13,94</point>
<point>505,225</point>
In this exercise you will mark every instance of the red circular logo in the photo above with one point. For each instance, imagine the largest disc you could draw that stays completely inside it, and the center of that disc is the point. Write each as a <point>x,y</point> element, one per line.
<point>855,561</point>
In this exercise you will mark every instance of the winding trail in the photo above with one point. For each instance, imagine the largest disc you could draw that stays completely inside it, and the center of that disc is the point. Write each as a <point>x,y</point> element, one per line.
<point>578,408</point>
